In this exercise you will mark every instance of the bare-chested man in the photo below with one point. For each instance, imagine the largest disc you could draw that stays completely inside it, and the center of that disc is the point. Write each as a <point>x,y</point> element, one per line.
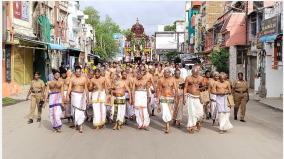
<point>98,97</point>
<point>140,101</point>
<point>119,87</point>
<point>55,93</point>
<point>221,89</point>
<point>113,69</point>
<point>167,91</point>
<point>206,102</point>
<point>193,86</point>
<point>79,97</point>
<point>66,82</point>
<point>89,109</point>
<point>213,108</point>
<point>126,77</point>
<point>148,77</point>
<point>178,111</point>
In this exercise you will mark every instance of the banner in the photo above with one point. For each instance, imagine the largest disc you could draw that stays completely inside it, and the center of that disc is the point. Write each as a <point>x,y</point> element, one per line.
<point>17,6</point>
<point>21,10</point>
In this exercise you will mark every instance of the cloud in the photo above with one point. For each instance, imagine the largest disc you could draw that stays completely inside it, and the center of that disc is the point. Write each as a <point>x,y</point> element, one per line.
<point>150,13</point>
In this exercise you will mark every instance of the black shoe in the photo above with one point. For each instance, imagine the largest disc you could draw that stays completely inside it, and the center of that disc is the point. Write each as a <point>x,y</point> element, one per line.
<point>30,121</point>
<point>38,120</point>
<point>242,120</point>
<point>236,118</point>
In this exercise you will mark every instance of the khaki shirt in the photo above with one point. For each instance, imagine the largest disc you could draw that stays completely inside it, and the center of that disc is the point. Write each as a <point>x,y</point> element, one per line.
<point>240,86</point>
<point>37,85</point>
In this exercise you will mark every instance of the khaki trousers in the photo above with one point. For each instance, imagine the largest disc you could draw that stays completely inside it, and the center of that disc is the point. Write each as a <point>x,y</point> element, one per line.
<point>35,99</point>
<point>240,100</point>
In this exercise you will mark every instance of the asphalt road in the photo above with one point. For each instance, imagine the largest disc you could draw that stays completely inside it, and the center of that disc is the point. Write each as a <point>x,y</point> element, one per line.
<point>260,138</point>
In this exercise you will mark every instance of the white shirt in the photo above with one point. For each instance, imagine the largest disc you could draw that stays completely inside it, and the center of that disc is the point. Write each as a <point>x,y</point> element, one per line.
<point>183,73</point>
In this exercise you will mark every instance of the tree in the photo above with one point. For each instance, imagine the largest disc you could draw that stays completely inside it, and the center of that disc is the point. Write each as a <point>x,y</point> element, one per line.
<point>220,60</point>
<point>170,28</point>
<point>171,55</point>
<point>126,32</point>
<point>104,30</point>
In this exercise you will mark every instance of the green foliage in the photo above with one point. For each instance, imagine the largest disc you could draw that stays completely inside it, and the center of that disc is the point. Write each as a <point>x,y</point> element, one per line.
<point>172,55</point>
<point>104,30</point>
<point>126,32</point>
<point>8,101</point>
<point>220,60</point>
<point>170,28</point>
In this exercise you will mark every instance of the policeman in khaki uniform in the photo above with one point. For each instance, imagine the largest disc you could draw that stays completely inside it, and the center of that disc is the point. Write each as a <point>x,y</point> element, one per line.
<point>37,93</point>
<point>241,96</point>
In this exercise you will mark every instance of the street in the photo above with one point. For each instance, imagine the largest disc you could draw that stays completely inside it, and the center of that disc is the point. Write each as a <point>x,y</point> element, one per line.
<point>260,138</point>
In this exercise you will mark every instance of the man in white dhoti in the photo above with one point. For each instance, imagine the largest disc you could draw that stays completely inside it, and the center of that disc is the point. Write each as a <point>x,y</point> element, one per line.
<point>119,87</point>
<point>55,92</point>
<point>99,85</point>
<point>140,101</point>
<point>167,93</point>
<point>193,86</point>
<point>222,88</point>
<point>79,97</point>
<point>213,107</point>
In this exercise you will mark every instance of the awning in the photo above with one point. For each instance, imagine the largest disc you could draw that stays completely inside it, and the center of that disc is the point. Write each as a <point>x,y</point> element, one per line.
<point>56,47</point>
<point>268,38</point>
<point>74,49</point>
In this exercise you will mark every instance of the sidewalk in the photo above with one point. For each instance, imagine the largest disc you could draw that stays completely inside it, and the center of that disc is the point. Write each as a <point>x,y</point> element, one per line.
<point>275,103</point>
<point>22,95</point>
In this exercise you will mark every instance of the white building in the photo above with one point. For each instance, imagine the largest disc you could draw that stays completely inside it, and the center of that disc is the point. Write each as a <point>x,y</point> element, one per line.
<point>81,35</point>
<point>270,60</point>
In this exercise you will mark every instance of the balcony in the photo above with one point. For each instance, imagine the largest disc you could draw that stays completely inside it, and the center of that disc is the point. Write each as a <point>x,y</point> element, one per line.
<point>63,5</point>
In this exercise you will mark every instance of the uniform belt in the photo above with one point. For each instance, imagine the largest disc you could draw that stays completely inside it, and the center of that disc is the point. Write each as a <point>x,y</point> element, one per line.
<point>241,91</point>
<point>36,91</point>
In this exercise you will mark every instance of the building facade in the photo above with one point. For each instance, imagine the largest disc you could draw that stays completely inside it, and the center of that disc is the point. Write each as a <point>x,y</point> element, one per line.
<point>36,37</point>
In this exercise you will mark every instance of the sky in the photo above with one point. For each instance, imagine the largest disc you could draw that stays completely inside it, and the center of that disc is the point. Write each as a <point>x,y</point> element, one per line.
<point>150,13</point>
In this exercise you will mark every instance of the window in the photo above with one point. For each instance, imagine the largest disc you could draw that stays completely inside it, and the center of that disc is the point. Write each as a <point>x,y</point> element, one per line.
<point>253,25</point>
<point>240,56</point>
<point>279,50</point>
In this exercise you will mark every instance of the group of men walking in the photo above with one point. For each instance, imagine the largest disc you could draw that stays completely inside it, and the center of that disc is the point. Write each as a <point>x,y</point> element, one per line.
<point>115,93</point>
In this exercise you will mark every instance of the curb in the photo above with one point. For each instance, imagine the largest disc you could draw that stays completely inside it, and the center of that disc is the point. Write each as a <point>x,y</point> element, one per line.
<point>269,106</point>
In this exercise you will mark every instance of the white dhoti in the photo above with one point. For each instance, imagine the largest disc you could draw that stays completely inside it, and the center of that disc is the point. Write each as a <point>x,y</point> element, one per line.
<point>167,104</point>
<point>78,102</point>
<point>195,110</point>
<point>213,107</point>
<point>67,111</point>
<point>223,112</point>
<point>99,108</point>
<point>55,112</point>
<point>141,111</point>
<point>118,109</point>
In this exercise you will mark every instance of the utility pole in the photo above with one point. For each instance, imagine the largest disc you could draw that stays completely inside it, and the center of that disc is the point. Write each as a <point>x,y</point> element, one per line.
<point>246,56</point>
